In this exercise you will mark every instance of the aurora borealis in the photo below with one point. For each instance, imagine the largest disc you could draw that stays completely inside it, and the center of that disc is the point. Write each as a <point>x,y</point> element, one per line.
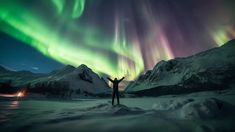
<point>118,37</point>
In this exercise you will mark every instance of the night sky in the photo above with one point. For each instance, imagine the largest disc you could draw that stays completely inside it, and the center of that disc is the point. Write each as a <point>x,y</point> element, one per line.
<point>114,37</point>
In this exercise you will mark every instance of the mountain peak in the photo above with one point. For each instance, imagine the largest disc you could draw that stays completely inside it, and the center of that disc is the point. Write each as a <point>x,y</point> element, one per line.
<point>65,70</point>
<point>83,66</point>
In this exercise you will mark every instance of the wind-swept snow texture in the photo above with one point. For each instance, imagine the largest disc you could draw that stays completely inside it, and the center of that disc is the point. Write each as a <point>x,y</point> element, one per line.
<point>199,112</point>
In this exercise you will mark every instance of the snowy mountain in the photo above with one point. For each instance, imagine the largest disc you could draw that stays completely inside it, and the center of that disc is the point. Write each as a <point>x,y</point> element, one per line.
<point>18,78</point>
<point>78,80</point>
<point>208,70</point>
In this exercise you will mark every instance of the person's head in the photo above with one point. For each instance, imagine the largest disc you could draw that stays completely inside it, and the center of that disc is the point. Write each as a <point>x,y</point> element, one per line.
<point>115,79</point>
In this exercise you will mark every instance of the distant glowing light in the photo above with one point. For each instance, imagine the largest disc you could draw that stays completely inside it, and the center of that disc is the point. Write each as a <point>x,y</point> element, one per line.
<point>7,95</point>
<point>20,94</point>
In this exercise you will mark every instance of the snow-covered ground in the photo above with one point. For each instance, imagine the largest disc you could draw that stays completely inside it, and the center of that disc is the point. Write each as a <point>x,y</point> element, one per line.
<point>199,112</point>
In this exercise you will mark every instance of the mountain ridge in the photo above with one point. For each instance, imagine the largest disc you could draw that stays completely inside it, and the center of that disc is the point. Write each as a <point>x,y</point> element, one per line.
<point>81,79</point>
<point>212,66</point>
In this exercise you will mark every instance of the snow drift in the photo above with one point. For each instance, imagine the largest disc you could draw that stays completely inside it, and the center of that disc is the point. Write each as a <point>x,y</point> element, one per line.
<point>167,114</point>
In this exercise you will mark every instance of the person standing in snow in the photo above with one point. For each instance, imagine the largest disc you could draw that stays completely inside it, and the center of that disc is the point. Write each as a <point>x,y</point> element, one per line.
<point>115,88</point>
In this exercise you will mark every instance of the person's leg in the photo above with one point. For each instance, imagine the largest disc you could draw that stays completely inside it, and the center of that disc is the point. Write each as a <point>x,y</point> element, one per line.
<point>113,98</point>
<point>117,94</point>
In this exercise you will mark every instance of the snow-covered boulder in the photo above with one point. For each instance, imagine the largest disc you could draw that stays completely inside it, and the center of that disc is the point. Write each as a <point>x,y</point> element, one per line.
<point>201,109</point>
<point>191,108</point>
<point>171,105</point>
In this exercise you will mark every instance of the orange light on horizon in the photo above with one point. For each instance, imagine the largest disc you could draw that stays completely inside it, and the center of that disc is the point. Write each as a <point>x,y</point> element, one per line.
<point>18,94</point>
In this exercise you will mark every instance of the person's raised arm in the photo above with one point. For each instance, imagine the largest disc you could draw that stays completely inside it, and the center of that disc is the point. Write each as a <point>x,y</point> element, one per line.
<point>121,79</point>
<point>110,79</point>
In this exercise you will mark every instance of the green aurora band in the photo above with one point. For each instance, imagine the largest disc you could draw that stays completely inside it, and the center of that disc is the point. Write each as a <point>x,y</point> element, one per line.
<point>59,30</point>
<point>32,28</point>
<point>77,9</point>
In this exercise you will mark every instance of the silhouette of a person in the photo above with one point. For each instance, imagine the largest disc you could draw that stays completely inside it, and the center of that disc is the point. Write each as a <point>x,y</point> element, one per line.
<point>115,88</point>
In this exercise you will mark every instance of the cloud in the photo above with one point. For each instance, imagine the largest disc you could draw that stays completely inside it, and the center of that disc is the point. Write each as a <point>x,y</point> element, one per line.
<point>35,68</point>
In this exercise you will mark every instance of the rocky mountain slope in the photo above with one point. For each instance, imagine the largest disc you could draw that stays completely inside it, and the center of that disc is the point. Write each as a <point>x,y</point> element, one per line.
<point>208,70</point>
